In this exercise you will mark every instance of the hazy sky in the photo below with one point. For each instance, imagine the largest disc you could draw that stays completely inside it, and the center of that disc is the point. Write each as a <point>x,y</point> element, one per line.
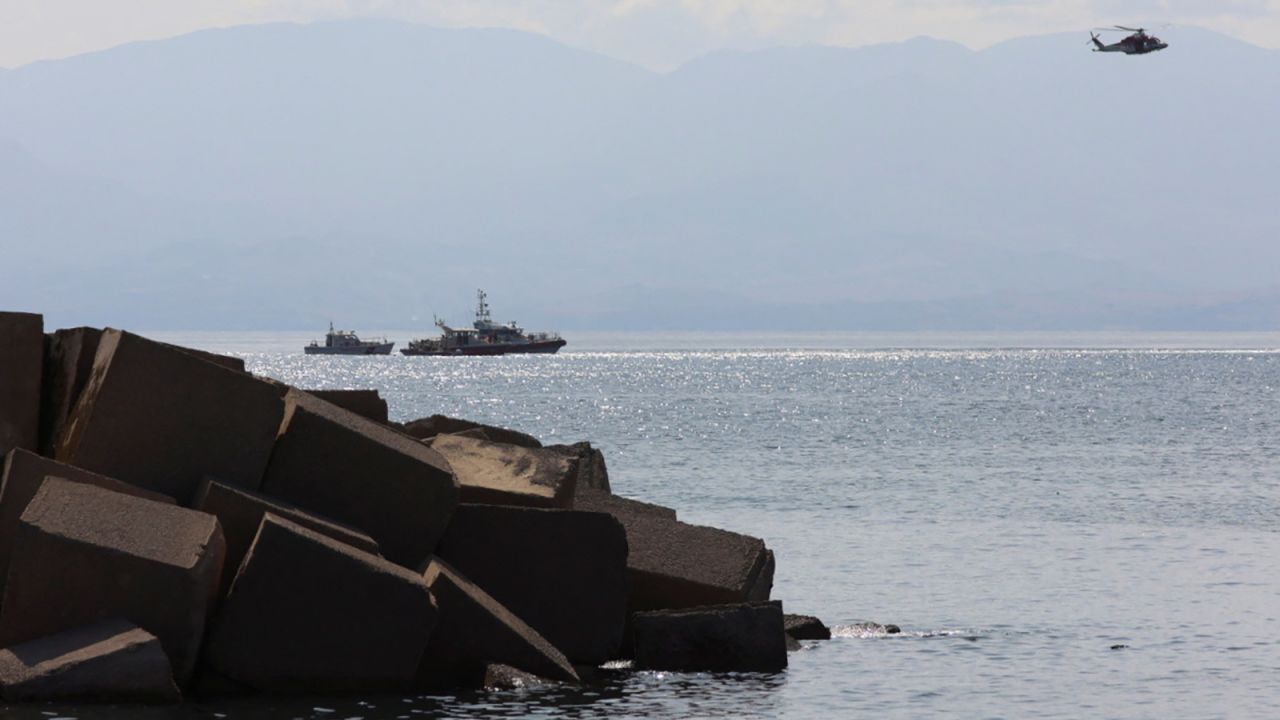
<point>658,33</point>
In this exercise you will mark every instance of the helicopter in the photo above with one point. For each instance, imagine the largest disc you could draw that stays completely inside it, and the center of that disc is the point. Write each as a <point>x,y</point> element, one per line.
<point>1139,43</point>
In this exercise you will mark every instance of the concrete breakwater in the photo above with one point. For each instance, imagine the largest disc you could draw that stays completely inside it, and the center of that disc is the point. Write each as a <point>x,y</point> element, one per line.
<point>172,526</point>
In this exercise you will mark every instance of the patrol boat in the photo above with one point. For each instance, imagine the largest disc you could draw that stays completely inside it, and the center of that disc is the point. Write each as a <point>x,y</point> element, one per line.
<point>484,337</point>
<point>345,342</point>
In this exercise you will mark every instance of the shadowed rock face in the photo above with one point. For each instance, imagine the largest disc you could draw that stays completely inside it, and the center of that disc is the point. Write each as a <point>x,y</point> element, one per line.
<point>503,474</point>
<point>475,630</point>
<point>240,513</point>
<point>84,554</point>
<point>68,361</point>
<point>365,403</point>
<point>113,660</point>
<point>674,565</point>
<point>333,462</point>
<point>307,612</point>
<point>163,419</point>
<point>24,472</point>
<point>564,572</point>
<point>742,637</point>
<point>21,367</point>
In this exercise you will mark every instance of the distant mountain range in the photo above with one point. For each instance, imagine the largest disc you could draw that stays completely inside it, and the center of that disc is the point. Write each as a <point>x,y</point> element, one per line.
<point>371,172</point>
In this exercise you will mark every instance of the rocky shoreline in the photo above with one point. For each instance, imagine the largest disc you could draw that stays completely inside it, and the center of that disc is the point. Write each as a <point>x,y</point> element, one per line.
<point>172,526</point>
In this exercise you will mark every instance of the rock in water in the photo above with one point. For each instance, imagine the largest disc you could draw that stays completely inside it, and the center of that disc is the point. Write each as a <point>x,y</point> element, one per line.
<point>744,637</point>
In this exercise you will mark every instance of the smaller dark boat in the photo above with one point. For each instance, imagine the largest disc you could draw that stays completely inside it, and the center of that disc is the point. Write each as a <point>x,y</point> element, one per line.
<point>345,342</point>
<point>485,337</point>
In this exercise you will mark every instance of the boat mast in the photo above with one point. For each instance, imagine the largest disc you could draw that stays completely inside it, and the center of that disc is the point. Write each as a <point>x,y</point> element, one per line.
<point>482,307</point>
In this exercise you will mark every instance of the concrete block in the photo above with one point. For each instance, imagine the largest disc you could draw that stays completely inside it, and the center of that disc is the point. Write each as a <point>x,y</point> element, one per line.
<point>672,564</point>
<point>743,637</point>
<point>475,631</point>
<point>365,403</point>
<point>427,428</point>
<point>592,472</point>
<point>564,572</point>
<point>113,660</point>
<point>163,419</point>
<point>346,467</point>
<point>504,474</point>
<point>21,476</point>
<point>21,367</point>
<point>307,613</point>
<point>620,507</point>
<point>240,513</point>
<point>84,554</point>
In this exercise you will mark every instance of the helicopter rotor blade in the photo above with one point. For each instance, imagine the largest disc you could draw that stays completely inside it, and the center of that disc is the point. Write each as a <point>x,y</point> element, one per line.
<point>1121,27</point>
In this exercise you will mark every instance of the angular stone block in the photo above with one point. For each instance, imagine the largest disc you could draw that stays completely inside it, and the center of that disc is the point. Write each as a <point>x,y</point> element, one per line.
<point>673,564</point>
<point>84,554</point>
<point>620,507</point>
<point>240,513</point>
<point>113,660</point>
<point>427,428</point>
<point>475,631</point>
<point>592,472</point>
<point>365,403</point>
<point>163,419</point>
<point>744,637</point>
<point>564,572</point>
<point>805,627</point>
<point>504,474</point>
<point>346,467</point>
<point>307,613</point>
<point>23,473</point>
<point>21,367</point>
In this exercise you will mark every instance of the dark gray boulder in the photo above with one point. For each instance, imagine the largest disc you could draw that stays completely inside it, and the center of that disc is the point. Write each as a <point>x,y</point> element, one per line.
<point>743,637</point>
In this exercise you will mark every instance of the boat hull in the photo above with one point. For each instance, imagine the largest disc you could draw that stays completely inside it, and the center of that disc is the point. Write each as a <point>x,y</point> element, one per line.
<point>542,347</point>
<point>371,349</point>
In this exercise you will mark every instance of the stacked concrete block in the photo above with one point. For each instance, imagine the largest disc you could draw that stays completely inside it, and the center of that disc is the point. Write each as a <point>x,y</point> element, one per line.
<point>592,472</point>
<point>84,554</point>
<point>742,637</point>
<point>475,631</point>
<point>163,419</point>
<point>113,660</point>
<point>21,367</point>
<point>505,474</point>
<point>240,512</point>
<point>427,428</point>
<point>676,565</point>
<point>563,572</point>
<point>620,507</point>
<point>22,474</point>
<point>365,403</point>
<point>343,466</point>
<point>307,613</point>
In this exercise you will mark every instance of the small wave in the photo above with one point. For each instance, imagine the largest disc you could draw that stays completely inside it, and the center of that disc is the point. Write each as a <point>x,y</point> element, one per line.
<point>876,630</point>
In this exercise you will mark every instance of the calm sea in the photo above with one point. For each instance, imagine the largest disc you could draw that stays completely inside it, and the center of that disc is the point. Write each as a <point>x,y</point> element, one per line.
<point>1064,526</point>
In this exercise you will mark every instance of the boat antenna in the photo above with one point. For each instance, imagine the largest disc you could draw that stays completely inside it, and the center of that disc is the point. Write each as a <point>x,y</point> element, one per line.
<point>482,307</point>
